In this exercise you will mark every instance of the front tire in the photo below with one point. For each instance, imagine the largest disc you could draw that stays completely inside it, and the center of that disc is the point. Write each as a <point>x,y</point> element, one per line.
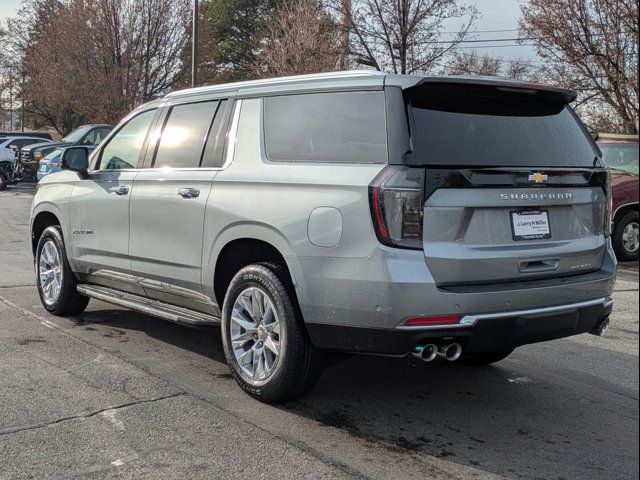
<point>265,341</point>
<point>625,237</point>
<point>55,280</point>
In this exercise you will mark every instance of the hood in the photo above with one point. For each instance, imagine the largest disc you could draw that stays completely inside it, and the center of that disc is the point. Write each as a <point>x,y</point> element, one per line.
<point>624,180</point>
<point>47,146</point>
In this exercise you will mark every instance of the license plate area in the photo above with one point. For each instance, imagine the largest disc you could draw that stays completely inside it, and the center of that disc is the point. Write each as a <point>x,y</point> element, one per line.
<point>530,224</point>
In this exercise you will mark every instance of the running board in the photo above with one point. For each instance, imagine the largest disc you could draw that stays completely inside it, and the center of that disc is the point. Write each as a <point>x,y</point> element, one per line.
<point>151,307</point>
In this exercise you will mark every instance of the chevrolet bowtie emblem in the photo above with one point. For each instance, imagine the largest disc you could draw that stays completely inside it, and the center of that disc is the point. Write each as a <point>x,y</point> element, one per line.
<point>538,177</point>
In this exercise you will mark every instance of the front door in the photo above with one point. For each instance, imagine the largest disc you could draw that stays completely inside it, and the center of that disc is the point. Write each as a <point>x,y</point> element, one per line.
<point>99,206</point>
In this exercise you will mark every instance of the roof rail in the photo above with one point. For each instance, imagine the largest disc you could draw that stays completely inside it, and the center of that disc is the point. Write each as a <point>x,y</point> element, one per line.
<point>277,80</point>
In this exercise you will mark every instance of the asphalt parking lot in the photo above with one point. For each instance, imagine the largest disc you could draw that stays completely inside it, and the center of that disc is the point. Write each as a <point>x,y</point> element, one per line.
<point>116,394</point>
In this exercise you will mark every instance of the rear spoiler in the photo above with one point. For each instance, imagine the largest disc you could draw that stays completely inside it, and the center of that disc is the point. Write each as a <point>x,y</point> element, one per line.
<point>557,94</point>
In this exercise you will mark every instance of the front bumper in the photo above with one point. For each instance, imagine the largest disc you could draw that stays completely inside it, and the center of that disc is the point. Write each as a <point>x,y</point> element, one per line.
<point>476,333</point>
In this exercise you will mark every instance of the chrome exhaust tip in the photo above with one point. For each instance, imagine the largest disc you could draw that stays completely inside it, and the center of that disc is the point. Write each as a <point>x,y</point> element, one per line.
<point>426,353</point>
<point>450,352</point>
<point>601,329</point>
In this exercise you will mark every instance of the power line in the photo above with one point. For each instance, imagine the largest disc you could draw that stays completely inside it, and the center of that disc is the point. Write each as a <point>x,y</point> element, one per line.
<point>500,46</point>
<point>483,40</point>
<point>481,31</point>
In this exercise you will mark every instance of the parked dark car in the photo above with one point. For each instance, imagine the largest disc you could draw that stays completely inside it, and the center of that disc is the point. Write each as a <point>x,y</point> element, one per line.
<point>620,155</point>
<point>30,156</point>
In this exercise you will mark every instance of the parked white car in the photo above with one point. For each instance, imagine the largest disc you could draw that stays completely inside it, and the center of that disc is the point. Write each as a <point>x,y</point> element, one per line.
<point>9,145</point>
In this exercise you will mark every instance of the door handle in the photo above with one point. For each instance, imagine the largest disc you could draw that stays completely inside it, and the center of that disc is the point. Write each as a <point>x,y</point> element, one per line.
<point>189,192</point>
<point>119,191</point>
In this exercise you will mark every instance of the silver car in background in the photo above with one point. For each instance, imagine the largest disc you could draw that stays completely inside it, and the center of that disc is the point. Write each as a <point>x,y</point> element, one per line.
<point>358,212</point>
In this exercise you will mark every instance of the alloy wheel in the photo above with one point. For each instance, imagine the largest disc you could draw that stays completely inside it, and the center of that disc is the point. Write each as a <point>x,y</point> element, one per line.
<point>50,272</point>
<point>630,237</point>
<point>255,333</point>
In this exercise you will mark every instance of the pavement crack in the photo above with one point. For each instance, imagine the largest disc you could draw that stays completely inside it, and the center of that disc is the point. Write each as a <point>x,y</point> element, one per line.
<point>93,413</point>
<point>300,445</point>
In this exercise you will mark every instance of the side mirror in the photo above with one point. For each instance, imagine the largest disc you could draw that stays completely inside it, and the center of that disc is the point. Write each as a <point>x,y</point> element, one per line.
<point>75,159</point>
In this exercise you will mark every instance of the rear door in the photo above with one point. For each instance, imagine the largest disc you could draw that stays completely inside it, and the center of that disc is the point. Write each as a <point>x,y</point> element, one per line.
<point>512,187</point>
<point>169,201</point>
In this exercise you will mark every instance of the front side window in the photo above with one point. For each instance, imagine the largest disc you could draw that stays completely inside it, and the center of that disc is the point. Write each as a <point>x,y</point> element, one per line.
<point>124,147</point>
<point>346,127</point>
<point>184,135</point>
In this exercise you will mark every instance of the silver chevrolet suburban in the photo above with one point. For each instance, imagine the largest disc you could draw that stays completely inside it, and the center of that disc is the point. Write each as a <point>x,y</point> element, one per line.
<point>444,217</point>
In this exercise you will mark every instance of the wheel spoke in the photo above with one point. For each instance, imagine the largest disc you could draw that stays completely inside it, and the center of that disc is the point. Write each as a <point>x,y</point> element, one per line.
<point>267,318</point>
<point>256,304</point>
<point>241,340</point>
<point>273,346</point>
<point>238,317</point>
<point>245,357</point>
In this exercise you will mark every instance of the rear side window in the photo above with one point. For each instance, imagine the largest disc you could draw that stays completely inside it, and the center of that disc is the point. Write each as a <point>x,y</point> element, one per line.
<point>469,126</point>
<point>346,127</point>
<point>184,135</point>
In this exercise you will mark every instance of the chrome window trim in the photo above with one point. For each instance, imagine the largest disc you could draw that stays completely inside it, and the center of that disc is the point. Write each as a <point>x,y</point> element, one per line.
<point>232,136</point>
<point>471,320</point>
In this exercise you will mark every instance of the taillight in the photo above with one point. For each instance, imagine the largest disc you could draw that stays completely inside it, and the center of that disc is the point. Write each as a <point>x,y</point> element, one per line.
<point>396,198</point>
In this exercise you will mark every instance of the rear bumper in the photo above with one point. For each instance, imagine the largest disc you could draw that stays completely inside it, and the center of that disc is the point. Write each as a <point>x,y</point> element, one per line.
<point>476,333</point>
<point>357,304</point>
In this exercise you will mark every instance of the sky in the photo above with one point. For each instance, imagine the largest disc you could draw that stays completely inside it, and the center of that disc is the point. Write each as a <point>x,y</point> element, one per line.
<point>495,15</point>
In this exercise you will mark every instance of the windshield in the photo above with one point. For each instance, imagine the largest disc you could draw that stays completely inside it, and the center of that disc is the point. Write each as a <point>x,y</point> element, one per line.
<point>76,135</point>
<point>52,155</point>
<point>620,156</point>
<point>479,126</point>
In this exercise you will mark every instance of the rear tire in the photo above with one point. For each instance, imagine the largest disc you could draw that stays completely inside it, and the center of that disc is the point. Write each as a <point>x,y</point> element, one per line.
<point>3,182</point>
<point>57,289</point>
<point>484,358</point>
<point>625,237</point>
<point>259,297</point>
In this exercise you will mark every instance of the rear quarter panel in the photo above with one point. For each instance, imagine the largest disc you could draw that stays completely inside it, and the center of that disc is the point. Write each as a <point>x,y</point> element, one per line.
<point>273,202</point>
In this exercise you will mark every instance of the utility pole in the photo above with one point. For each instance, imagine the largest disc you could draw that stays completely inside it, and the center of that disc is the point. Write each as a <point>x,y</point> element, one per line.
<point>346,26</point>
<point>22,106</point>
<point>194,44</point>
<point>10,97</point>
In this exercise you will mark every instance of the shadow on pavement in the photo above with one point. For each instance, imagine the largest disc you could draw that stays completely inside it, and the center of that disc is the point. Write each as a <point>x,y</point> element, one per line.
<point>495,418</point>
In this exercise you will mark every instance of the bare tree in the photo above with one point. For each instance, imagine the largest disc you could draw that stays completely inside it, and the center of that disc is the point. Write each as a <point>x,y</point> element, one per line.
<point>403,36</point>
<point>94,60</point>
<point>300,37</point>
<point>590,46</point>
<point>472,63</point>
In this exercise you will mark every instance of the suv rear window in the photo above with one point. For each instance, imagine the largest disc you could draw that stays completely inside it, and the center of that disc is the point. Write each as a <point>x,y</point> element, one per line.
<point>481,126</point>
<point>347,127</point>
